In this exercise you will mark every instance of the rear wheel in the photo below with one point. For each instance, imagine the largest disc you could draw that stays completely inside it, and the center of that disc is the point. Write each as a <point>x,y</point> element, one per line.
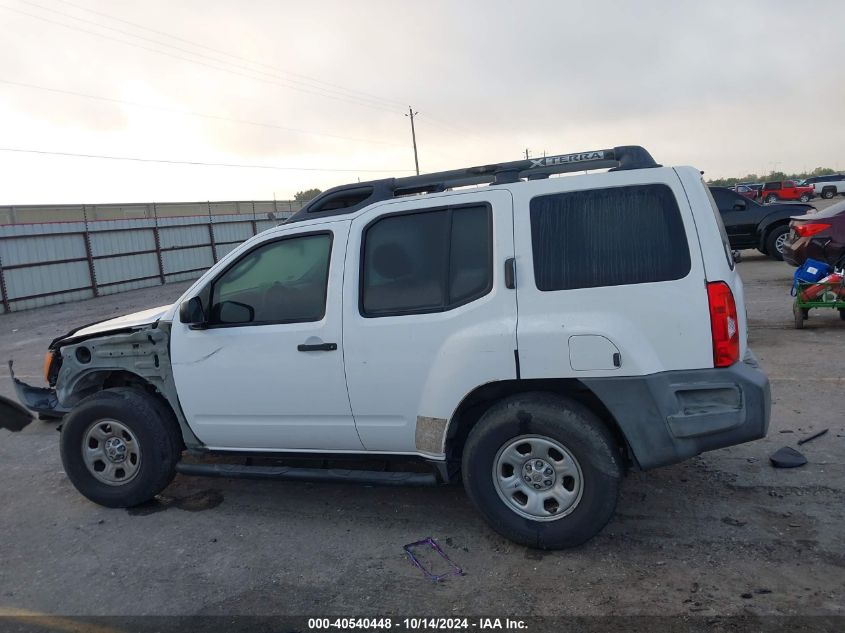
<point>543,470</point>
<point>776,241</point>
<point>120,447</point>
<point>827,194</point>
<point>804,197</point>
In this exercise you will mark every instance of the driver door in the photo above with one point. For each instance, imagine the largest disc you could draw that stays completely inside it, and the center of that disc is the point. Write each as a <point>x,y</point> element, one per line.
<point>266,372</point>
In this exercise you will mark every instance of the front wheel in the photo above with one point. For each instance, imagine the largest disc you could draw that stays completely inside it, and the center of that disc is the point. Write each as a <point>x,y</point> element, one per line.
<point>776,242</point>
<point>543,470</point>
<point>771,198</point>
<point>804,198</point>
<point>120,447</point>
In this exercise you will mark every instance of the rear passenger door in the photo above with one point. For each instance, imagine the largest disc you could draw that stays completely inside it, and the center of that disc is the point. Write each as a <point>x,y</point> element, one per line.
<point>610,277</point>
<point>427,316</point>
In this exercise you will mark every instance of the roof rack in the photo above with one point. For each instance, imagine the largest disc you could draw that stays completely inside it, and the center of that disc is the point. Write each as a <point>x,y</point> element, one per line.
<point>349,198</point>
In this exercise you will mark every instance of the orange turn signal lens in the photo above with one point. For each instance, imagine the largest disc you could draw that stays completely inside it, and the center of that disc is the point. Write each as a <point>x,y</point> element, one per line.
<point>48,364</point>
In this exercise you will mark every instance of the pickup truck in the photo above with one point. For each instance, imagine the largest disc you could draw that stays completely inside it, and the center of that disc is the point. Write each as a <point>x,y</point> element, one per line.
<point>786,190</point>
<point>828,186</point>
<point>750,224</point>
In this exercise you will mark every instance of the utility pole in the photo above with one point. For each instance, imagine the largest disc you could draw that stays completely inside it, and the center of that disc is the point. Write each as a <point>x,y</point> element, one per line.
<point>526,153</point>
<point>412,114</point>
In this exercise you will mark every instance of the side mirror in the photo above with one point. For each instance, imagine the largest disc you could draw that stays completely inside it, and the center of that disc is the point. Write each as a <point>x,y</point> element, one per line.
<point>234,312</point>
<point>739,205</point>
<point>191,312</point>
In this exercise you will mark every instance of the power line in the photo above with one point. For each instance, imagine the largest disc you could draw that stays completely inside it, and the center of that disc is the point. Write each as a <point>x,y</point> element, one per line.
<point>199,163</point>
<point>196,114</point>
<point>232,55</point>
<point>194,61</point>
<point>201,55</point>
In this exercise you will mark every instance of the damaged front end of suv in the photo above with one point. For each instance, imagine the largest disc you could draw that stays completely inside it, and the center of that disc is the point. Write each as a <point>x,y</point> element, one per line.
<point>130,351</point>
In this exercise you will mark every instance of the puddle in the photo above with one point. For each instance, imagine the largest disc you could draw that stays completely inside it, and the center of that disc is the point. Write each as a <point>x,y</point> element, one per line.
<point>196,502</point>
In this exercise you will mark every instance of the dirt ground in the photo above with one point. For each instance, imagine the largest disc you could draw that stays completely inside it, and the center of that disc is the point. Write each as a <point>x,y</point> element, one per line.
<point>724,533</point>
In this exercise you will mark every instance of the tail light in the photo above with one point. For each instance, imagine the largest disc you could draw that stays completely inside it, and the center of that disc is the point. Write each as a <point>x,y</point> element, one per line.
<point>724,324</point>
<point>806,230</point>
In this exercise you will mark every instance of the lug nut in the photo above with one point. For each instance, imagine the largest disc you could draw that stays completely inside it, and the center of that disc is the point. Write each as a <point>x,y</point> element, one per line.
<point>548,482</point>
<point>537,486</point>
<point>528,467</point>
<point>538,464</point>
<point>528,479</point>
<point>548,472</point>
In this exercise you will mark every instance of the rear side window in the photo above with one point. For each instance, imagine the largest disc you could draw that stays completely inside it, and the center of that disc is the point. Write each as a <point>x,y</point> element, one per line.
<point>608,237</point>
<point>427,262</point>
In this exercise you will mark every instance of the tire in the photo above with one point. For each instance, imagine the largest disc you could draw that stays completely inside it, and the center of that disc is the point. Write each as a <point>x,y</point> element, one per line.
<point>775,235</point>
<point>804,198</point>
<point>553,427</point>
<point>842,313</point>
<point>798,314</point>
<point>771,198</point>
<point>827,194</point>
<point>147,430</point>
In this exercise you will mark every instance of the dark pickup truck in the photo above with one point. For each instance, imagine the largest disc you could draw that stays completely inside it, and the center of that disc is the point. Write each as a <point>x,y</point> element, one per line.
<point>752,225</point>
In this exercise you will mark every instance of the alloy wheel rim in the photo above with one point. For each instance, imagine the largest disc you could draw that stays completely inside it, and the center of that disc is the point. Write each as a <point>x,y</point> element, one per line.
<point>111,452</point>
<point>538,478</point>
<point>780,243</point>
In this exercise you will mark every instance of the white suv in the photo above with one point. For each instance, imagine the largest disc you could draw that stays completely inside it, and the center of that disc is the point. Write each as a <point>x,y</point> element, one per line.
<point>533,338</point>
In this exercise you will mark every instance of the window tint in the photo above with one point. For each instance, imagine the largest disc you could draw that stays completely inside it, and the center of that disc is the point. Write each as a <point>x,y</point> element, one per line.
<point>608,237</point>
<point>427,262</point>
<point>471,253</point>
<point>725,199</point>
<point>280,282</point>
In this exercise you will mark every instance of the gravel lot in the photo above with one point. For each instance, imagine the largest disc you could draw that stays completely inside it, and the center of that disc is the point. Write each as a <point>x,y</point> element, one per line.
<point>724,533</point>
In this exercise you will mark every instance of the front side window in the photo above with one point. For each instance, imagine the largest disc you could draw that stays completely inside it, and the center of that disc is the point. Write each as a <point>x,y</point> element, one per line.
<point>283,281</point>
<point>608,237</point>
<point>426,262</point>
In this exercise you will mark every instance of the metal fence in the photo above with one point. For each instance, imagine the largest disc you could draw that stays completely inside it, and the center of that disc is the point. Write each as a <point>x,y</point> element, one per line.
<point>59,262</point>
<point>39,213</point>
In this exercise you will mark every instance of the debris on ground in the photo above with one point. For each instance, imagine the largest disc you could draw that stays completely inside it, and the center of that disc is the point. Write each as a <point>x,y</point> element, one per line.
<point>787,457</point>
<point>733,521</point>
<point>812,437</point>
<point>428,545</point>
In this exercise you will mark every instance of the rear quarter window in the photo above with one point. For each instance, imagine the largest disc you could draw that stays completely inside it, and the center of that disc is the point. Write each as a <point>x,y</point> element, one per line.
<point>608,237</point>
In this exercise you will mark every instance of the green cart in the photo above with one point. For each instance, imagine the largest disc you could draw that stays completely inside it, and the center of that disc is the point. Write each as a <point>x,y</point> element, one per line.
<point>824,295</point>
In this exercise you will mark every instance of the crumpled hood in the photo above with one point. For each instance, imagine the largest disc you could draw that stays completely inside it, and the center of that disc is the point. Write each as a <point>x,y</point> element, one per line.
<point>136,319</point>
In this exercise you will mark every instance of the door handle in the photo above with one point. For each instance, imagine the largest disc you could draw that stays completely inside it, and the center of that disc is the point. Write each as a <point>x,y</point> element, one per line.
<point>317,347</point>
<point>510,273</point>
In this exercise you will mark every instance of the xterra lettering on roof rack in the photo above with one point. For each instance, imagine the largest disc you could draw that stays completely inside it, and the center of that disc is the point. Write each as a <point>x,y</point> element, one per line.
<point>352,197</point>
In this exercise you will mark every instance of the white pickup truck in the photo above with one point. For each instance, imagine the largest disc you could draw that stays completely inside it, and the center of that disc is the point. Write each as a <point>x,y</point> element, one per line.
<point>828,186</point>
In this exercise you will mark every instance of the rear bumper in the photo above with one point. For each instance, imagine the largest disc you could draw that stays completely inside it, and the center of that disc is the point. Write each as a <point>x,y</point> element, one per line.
<point>671,416</point>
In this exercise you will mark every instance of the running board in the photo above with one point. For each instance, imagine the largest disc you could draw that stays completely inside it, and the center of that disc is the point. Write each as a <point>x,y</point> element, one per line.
<point>368,477</point>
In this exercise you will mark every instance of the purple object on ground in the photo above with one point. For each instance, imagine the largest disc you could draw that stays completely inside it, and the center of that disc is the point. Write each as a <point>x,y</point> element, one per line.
<point>430,542</point>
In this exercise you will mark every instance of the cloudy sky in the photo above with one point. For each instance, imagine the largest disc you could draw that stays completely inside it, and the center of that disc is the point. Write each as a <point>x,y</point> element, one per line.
<point>315,93</point>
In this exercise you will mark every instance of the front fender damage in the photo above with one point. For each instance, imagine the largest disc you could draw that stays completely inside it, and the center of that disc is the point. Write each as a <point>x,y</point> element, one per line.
<point>92,364</point>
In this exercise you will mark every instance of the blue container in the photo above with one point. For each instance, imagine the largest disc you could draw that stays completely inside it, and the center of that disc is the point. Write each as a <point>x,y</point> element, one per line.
<point>810,271</point>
